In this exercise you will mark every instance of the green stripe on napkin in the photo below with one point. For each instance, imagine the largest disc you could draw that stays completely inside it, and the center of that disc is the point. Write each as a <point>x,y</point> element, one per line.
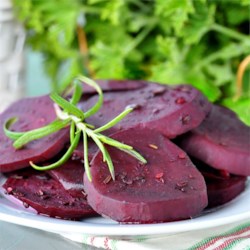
<point>226,240</point>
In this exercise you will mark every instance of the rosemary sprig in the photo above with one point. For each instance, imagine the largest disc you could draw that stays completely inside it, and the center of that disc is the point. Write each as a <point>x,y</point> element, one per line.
<point>69,115</point>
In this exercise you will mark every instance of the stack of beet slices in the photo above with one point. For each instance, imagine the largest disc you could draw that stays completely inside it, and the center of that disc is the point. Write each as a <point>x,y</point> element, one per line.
<point>197,156</point>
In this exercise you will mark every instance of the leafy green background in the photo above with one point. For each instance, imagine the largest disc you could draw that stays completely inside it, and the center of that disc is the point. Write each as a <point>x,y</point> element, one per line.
<point>200,42</point>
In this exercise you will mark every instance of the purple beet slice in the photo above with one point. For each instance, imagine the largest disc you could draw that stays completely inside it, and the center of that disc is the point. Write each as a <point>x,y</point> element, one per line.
<point>222,187</point>
<point>47,196</point>
<point>70,175</point>
<point>167,188</point>
<point>78,152</point>
<point>222,141</point>
<point>115,85</point>
<point>171,110</point>
<point>32,113</point>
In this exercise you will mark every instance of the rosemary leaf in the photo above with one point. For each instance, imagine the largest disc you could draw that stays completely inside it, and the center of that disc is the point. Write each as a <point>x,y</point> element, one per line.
<point>112,142</point>
<point>99,145</point>
<point>67,106</point>
<point>114,121</point>
<point>89,125</point>
<point>11,134</point>
<point>40,132</point>
<point>62,160</point>
<point>72,132</point>
<point>77,93</point>
<point>85,152</point>
<point>109,163</point>
<point>93,84</point>
<point>135,154</point>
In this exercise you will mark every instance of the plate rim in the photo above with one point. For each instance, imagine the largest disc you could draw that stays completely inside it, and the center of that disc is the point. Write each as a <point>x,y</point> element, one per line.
<point>32,220</point>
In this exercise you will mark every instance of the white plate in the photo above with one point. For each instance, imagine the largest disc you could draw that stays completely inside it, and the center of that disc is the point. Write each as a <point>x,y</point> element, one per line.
<point>236,210</point>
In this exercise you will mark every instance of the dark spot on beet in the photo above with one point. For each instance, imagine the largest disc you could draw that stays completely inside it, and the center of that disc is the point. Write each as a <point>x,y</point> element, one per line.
<point>185,119</point>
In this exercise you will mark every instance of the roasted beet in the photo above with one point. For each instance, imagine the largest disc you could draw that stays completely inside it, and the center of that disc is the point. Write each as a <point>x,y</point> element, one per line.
<point>47,196</point>
<point>222,141</point>
<point>222,187</point>
<point>167,188</point>
<point>32,113</point>
<point>171,110</point>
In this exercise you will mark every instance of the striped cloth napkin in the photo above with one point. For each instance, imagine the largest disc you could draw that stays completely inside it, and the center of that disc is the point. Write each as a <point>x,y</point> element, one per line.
<point>233,236</point>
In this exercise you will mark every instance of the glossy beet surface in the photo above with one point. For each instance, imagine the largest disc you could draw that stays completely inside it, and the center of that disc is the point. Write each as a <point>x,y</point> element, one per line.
<point>46,195</point>
<point>167,188</point>
<point>222,141</point>
<point>31,113</point>
<point>171,110</point>
<point>70,175</point>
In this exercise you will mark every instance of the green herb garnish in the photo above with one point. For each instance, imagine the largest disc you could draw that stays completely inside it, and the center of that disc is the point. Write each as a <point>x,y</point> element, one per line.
<point>200,42</point>
<point>69,115</point>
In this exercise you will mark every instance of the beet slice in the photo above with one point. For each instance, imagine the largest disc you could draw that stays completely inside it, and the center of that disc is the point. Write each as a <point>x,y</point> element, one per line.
<point>47,196</point>
<point>167,188</point>
<point>78,152</point>
<point>222,141</point>
<point>32,113</point>
<point>115,85</point>
<point>171,110</point>
<point>70,175</point>
<point>222,186</point>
